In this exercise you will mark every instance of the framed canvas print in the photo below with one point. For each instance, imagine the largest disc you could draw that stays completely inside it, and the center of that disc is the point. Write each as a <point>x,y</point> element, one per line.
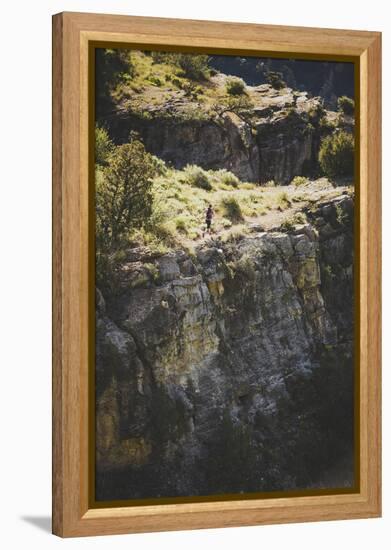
<point>216,274</point>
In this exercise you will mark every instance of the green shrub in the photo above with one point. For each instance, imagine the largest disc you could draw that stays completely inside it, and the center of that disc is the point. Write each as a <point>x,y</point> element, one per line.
<point>291,114</point>
<point>241,105</point>
<point>299,180</point>
<point>159,166</point>
<point>283,200</point>
<point>153,271</point>
<point>336,154</point>
<point>245,267</point>
<point>342,216</point>
<point>112,67</point>
<point>228,178</point>
<point>316,112</point>
<point>235,86</point>
<point>300,218</point>
<point>197,177</point>
<point>181,223</point>
<point>327,124</point>
<point>327,272</point>
<point>190,89</point>
<point>103,146</point>
<point>346,105</point>
<point>275,80</point>
<point>193,66</point>
<point>231,209</point>
<point>248,185</point>
<point>123,194</point>
<point>135,87</point>
<point>288,225</point>
<point>178,82</point>
<point>161,57</point>
<point>237,233</point>
<point>155,80</point>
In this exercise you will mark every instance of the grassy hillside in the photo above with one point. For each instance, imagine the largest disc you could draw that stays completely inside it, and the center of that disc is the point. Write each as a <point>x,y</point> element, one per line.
<point>181,197</point>
<point>152,84</point>
<point>143,200</point>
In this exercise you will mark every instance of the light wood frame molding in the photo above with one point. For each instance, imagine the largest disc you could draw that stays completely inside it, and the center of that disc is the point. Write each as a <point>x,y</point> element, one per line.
<point>72,33</point>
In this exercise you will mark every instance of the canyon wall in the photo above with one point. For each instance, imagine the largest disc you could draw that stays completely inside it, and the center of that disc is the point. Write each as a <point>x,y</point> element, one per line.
<point>230,369</point>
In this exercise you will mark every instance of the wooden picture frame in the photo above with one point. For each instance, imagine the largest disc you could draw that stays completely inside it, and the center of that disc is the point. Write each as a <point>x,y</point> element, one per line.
<point>73,297</point>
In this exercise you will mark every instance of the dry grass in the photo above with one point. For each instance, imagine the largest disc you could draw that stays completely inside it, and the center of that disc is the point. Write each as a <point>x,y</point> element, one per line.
<point>154,83</point>
<point>180,206</point>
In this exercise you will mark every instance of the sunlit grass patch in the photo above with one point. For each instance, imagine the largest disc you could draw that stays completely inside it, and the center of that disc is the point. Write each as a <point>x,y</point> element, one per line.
<point>224,179</point>
<point>249,185</point>
<point>181,197</point>
<point>298,219</point>
<point>231,209</point>
<point>299,180</point>
<point>282,200</point>
<point>197,177</point>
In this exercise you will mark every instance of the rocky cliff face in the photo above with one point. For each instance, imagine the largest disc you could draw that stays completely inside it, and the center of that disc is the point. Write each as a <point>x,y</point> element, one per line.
<point>281,141</point>
<point>231,369</point>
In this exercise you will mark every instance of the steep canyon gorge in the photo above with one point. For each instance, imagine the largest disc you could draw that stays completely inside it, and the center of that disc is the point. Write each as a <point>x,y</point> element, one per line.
<point>227,366</point>
<point>231,369</point>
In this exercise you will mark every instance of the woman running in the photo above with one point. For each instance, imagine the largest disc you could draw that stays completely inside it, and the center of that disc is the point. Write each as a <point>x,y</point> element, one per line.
<point>208,218</point>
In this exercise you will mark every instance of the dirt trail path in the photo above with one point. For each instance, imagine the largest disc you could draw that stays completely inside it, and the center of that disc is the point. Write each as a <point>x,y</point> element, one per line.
<point>300,198</point>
